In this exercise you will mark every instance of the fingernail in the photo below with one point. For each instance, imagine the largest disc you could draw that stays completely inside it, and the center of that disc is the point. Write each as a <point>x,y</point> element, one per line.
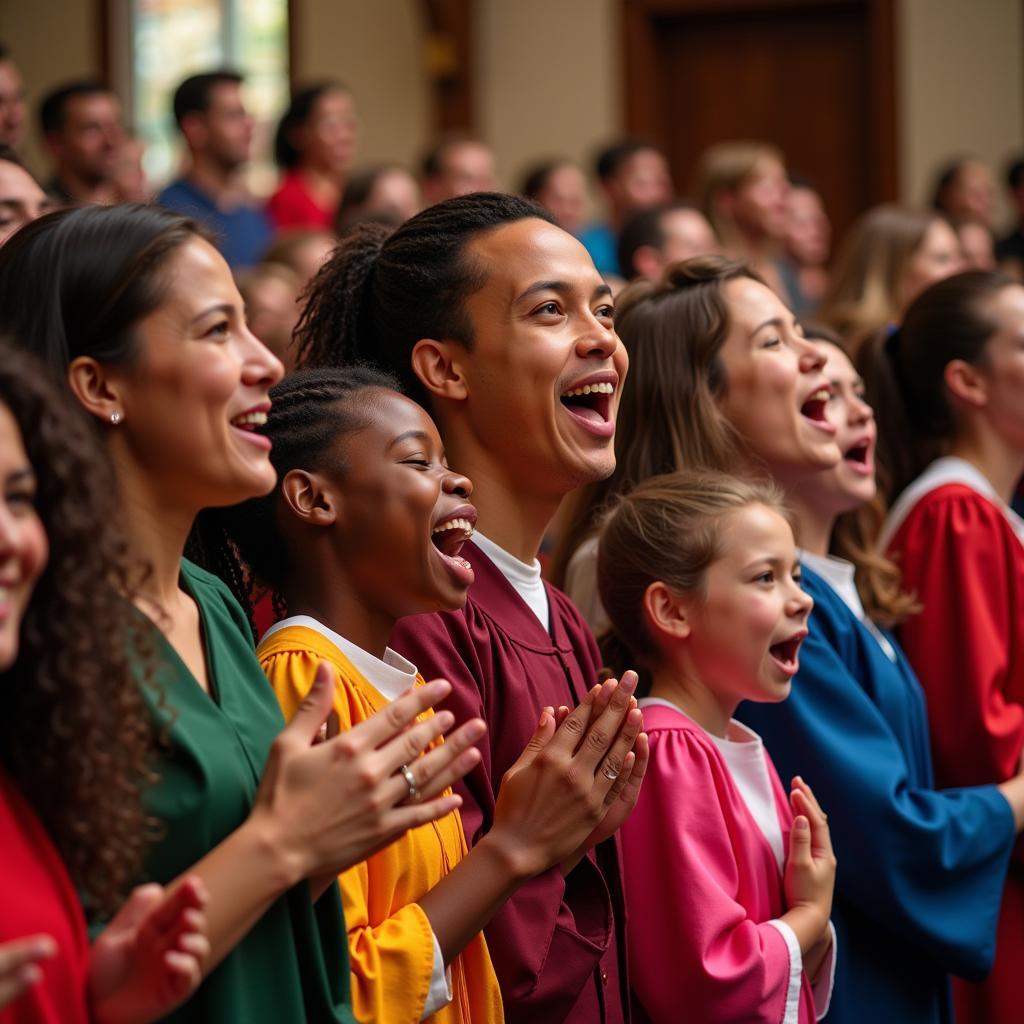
<point>445,719</point>
<point>476,729</point>
<point>628,682</point>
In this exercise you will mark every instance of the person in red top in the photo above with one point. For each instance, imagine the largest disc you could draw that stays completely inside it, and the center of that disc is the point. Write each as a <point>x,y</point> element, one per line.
<point>949,390</point>
<point>74,740</point>
<point>314,146</point>
<point>498,321</point>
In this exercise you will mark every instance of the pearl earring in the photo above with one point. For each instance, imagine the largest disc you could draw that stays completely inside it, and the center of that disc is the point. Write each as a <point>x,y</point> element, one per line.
<point>115,417</point>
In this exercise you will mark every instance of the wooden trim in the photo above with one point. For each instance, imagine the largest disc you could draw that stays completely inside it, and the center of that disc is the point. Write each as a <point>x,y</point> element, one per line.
<point>294,21</point>
<point>884,100</point>
<point>448,54</point>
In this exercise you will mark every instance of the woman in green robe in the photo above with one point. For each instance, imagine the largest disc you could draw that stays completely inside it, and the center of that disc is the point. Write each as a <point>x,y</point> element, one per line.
<point>137,311</point>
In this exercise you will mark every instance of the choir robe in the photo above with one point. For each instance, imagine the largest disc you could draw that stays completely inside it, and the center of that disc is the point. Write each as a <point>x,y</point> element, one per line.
<point>921,871</point>
<point>37,897</point>
<point>557,944</point>
<point>292,965</point>
<point>960,550</point>
<point>391,942</point>
<point>703,886</point>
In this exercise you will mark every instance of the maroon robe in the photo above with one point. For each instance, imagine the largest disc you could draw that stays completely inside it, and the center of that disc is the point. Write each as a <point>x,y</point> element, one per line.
<point>557,944</point>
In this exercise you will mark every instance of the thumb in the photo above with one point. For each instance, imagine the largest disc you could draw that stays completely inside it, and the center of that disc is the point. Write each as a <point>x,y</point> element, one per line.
<point>800,841</point>
<point>539,740</point>
<point>316,706</point>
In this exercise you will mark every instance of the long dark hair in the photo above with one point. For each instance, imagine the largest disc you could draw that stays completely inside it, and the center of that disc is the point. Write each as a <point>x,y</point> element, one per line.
<point>75,733</point>
<point>383,290</point>
<point>286,156</point>
<point>905,370</point>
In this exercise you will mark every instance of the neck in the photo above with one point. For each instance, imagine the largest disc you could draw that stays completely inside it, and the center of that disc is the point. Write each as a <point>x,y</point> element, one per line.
<point>325,184</point>
<point>86,190</point>
<point>680,685</point>
<point>220,183</point>
<point>330,598</point>
<point>814,527</point>
<point>1000,463</point>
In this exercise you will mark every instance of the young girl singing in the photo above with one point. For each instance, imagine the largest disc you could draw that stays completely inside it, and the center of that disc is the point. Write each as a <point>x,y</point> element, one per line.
<point>728,882</point>
<point>368,525</point>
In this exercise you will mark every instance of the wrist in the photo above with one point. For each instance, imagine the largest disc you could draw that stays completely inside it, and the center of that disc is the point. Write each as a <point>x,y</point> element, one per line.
<point>287,864</point>
<point>514,859</point>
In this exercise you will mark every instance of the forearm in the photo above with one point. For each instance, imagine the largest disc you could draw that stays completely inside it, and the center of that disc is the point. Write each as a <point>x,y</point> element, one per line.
<point>810,926</point>
<point>815,956</point>
<point>462,904</point>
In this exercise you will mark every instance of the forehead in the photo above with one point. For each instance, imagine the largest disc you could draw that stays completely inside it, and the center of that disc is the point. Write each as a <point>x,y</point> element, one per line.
<point>837,362</point>
<point>389,414</point>
<point>199,277</point>
<point>684,222</point>
<point>752,303</point>
<point>1008,308</point>
<point>12,447</point>
<point>644,161</point>
<point>225,94</point>
<point>10,77</point>
<point>755,530</point>
<point>92,105</point>
<point>517,255</point>
<point>17,183</point>
<point>462,153</point>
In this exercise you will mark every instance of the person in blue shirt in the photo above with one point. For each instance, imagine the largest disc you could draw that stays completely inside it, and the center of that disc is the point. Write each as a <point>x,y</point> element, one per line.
<point>217,130</point>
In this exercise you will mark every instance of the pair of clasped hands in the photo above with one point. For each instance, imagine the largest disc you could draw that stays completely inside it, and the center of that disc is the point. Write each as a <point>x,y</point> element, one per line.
<point>328,801</point>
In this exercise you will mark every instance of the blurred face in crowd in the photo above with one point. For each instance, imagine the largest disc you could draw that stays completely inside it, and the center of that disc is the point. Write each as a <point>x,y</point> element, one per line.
<point>760,203</point>
<point>21,199</point>
<point>564,195</point>
<point>1000,371</point>
<point>272,309</point>
<point>12,105</point>
<point>642,180</point>
<point>395,192</point>
<point>938,256</point>
<point>977,245</point>
<point>223,133</point>
<point>972,193</point>
<point>465,167</point>
<point>129,176</point>
<point>88,143</point>
<point>808,232</point>
<point>328,138</point>
<point>687,234</point>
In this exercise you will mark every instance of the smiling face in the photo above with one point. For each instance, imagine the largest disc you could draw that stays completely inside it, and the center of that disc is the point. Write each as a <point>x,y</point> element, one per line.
<point>776,393</point>
<point>746,628</point>
<point>198,389</point>
<point>328,138</point>
<point>23,545</point>
<point>21,199</point>
<point>404,515</point>
<point>760,203</point>
<point>545,367</point>
<point>937,257</point>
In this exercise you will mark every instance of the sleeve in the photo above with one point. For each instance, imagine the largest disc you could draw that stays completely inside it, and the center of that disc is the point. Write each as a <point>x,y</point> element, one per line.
<point>284,209</point>
<point>547,940</point>
<point>824,984</point>
<point>440,994</point>
<point>391,963</point>
<point>952,552</point>
<point>688,932</point>
<point>926,864</point>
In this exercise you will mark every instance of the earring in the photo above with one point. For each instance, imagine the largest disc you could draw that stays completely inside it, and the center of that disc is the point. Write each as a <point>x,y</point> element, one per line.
<point>116,417</point>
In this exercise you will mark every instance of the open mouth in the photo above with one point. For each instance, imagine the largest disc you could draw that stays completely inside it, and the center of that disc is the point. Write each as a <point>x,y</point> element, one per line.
<point>815,407</point>
<point>786,654</point>
<point>448,536</point>
<point>858,457</point>
<point>249,423</point>
<point>591,406</point>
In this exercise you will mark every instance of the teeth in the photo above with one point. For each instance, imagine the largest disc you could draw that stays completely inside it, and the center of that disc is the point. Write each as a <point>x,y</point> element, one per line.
<point>821,395</point>
<point>590,389</point>
<point>255,419</point>
<point>455,524</point>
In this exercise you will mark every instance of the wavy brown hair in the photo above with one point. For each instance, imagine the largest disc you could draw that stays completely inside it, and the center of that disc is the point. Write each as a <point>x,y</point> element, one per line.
<point>75,734</point>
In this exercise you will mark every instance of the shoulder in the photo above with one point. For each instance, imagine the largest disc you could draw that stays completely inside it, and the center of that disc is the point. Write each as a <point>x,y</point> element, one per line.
<point>954,512</point>
<point>215,597</point>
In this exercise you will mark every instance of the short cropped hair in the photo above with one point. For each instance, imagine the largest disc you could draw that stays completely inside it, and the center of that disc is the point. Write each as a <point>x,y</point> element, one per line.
<point>54,105</point>
<point>194,95</point>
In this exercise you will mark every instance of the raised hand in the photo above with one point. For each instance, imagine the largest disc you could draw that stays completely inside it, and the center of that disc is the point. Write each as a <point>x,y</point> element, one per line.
<point>811,867</point>
<point>149,959</point>
<point>19,965</point>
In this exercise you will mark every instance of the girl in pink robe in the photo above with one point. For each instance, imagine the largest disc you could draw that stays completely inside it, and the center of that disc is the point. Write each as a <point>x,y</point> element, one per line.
<point>700,578</point>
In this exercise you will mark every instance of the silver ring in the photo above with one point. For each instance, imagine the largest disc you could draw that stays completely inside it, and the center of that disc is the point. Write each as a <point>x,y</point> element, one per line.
<point>410,781</point>
<point>609,773</point>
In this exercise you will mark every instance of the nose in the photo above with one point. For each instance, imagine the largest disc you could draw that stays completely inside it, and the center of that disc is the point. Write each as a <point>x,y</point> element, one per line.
<point>456,483</point>
<point>800,603</point>
<point>260,365</point>
<point>598,339</point>
<point>859,411</point>
<point>812,359</point>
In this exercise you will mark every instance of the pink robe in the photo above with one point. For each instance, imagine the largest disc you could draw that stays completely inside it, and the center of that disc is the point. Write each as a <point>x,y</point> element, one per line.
<point>702,883</point>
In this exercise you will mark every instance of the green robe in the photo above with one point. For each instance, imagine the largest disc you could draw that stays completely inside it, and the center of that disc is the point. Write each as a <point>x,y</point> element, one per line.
<point>292,966</point>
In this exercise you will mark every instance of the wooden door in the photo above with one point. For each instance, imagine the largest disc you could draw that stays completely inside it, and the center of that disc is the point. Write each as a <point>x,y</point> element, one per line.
<point>814,77</point>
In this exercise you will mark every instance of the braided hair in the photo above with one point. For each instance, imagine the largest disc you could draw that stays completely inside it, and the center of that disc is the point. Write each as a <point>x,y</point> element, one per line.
<point>309,411</point>
<point>384,290</point>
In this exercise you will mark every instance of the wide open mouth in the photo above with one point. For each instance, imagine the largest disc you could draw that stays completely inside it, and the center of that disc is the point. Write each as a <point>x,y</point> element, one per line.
<point>590,402</point>
<point>815,407</point>
<point>859,453</point>
<point>449,536</point>
<point>786,654</point>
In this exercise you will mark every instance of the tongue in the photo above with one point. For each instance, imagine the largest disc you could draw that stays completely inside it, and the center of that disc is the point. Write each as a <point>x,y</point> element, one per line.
<point>585,412</point>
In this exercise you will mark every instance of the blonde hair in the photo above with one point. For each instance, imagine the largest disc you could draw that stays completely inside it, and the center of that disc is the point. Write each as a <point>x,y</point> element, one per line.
<point>668,529</point>
<point>864,293</point>
<point>724,167</point>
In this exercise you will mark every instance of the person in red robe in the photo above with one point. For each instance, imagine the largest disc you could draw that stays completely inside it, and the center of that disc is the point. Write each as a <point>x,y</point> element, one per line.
<point>497,321</point>
<point>953,380</point>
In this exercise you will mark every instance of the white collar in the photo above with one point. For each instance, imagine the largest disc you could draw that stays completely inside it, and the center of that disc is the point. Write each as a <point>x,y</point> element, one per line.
<point>390,676</point>
<point>739,735</point>
<point>947,470</point>
<point>524,578</point>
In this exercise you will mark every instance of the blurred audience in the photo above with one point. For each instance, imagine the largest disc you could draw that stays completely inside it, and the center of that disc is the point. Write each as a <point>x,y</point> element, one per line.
<point>457,165</point>
<point>1010,248</point>
<point>964,190</point>
<point>632,174</point>
<point>807,241</point>
<point>314,148</point>
<point>977,244</point>
<point>130,185</point>
<point>743,189</point>
<point>21,198</point>
<point>664,234</point>
<point>82,129</point>
<point>561,188</point>
<point>301,250</point>
<point>271,295</point>
<point>12,102</point>
<point>890,255</point>
<point>385,191</point>
<point>217,130</point>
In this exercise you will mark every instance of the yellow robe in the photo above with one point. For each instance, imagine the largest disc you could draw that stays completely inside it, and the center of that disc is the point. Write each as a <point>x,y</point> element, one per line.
<point>390,940</point>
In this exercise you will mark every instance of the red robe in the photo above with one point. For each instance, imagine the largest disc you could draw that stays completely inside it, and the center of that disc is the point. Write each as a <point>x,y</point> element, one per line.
<point>557,944</point>
<point>37,897</point>
<point>960,552</point>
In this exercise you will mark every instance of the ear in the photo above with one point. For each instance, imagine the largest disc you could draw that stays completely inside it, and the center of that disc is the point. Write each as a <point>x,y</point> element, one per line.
<point>724,200</point>
<point>310,499</point>
<point>966,383</point>
<point>96,387</point>
<point>648,262</point>
<point>666,613</point>
<point>193,128</point>
<point>438,366</point>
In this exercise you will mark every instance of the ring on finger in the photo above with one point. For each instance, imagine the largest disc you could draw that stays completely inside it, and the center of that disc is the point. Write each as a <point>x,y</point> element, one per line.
<point>609,773</point>
<point>410,780</point>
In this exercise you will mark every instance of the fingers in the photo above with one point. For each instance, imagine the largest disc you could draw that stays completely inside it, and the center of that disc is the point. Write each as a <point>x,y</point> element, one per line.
<point>613,767</point>
<point>574,726</point>
<point>803,802</point>
<point>641,753</point>
<point>401,819</point>
<point>800,843</point>
<point>383,727</point>
<point>538,741</point>
<point>19,964</point>
<point>798,783</point>
<point>169,914</point>
<point>449,761</point>
<point>603,730</point>
<point>407,747</point>
<point>139,905</point>
<point>315,707</point>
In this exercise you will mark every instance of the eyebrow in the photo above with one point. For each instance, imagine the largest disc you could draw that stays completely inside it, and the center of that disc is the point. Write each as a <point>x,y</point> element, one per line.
<point>222,307</point>
<point>409,435</point>
<point>26,475</point>
<point>562,288</point>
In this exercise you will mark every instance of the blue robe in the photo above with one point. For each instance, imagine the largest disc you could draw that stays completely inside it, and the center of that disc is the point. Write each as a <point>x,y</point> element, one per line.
<point>921,871</point>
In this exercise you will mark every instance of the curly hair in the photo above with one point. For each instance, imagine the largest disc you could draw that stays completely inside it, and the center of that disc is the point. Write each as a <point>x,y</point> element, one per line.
<point>76,734</point>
